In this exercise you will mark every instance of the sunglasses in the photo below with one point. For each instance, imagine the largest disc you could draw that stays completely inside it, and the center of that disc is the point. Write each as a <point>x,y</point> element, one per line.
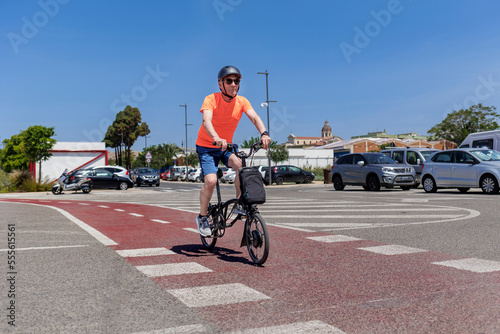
<point>230,81</point>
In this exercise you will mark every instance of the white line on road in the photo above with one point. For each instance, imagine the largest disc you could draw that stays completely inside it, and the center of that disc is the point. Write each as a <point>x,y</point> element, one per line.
<point>43,248</point>
<point>90,230</point>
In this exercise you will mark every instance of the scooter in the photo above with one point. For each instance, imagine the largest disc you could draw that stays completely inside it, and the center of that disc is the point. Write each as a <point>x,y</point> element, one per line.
<point>85,184</point>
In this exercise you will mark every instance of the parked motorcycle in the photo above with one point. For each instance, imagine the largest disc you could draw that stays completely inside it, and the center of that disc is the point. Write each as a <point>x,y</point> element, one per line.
<point>84,184</point>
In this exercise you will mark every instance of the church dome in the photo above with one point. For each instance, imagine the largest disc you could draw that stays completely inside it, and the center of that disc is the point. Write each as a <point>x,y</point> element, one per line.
<point>326,131</point>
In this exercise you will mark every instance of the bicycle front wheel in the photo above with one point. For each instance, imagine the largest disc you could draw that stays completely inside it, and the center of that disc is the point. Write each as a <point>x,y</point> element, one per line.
<point>209,242</point>
<point>257,238</point>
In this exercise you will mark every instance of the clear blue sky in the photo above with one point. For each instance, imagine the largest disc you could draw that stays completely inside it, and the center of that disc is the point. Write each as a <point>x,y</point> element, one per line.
<point>363,66</point>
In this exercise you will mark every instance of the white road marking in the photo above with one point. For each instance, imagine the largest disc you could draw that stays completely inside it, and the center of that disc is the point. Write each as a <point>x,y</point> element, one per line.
<point>119,210</point>
<point>160,221</point>
<point>90,230</point>
<point>103,206</point>
<point>217,295</point>
<point>315,326</point>
<point>43,248</point>
<point>145,252</point>
<point>188,329</point>
<point>136,214</point>
<point>333,238</point>
<point>339,225</point>
<point>362,216</point>
<point>170,269</point>
<point>191,230</point>
<point>472,264</point>
<point>392,250</point>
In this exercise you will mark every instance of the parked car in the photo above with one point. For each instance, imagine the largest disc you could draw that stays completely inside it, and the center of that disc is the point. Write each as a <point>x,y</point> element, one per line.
<point>229,175</point>
<point>225,172</point>
<point>262,170</point>
<point>146,175</point>
<point>411,156</point>
<point>178,173</point>
<point>462,169</point>
<point>288,173</point>
<point>118,170</point>
<point>165,175</point>
<point>371,171</point>
<point>102,178</point>
<point>195,175</point>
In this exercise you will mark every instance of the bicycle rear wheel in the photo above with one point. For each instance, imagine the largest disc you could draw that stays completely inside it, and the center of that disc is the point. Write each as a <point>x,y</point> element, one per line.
<point>257,238</point>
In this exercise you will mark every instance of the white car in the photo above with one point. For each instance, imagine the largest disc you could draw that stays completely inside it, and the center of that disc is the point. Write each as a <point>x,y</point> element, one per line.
<point>195,175</point>
<point>118,170</point>
<point>229,175</point>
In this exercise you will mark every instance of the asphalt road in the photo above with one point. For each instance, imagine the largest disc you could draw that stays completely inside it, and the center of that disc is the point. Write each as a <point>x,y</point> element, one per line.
<point>341,262</point>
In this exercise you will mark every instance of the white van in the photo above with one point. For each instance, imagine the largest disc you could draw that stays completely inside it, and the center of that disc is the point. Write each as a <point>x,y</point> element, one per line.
<point>489,139</point>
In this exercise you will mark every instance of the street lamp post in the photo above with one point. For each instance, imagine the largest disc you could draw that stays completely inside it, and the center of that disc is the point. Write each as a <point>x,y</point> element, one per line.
<point>186,125</point>
<point>268,127</point>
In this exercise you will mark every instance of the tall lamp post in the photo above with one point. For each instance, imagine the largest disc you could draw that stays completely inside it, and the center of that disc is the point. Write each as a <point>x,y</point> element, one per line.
<point>268,127</point>
<point>186,126</point>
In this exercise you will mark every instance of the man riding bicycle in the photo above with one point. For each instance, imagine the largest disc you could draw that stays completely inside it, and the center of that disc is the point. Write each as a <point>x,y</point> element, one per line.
<point>221,115</point>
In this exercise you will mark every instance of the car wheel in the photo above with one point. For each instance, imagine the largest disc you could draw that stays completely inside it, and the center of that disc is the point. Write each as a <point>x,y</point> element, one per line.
<point>337,183</point>
<point>429,184</point>
<point>463,190</point>
<point>279,181</point>
<point>373,183</point>
<point>308,179</point>
<point>197,179</point>
<point>158,184</point>
<point>489,184</point>
<point>123,186</point>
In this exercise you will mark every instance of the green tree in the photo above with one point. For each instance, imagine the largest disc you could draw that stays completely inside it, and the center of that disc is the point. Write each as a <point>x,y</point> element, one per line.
<point>459,124</point>
<point>162,156</point>
<point>37,144</point>
<point>129,126</point>
<point>278,153</point>
<point>12,155</point>
<point>250,142</point>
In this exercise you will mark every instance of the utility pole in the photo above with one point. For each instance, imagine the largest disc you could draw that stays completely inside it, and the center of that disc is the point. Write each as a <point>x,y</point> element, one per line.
<point>268,127</point>
<point>186,125</point>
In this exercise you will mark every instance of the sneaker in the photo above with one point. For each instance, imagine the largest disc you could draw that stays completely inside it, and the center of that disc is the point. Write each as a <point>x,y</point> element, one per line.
<point>238,209</point>
<point>203,226</point>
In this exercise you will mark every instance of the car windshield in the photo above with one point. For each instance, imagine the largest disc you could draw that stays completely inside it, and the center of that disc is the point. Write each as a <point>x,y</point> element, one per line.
<point>379,159</point>
<point>427,154</point>
<point>486,155</point>
<point>146,170</point>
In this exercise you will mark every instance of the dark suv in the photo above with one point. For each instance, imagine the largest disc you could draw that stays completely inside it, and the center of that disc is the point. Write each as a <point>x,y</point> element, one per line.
<point>371,171</point>
<point>146,175</point>
<point>288,173</point>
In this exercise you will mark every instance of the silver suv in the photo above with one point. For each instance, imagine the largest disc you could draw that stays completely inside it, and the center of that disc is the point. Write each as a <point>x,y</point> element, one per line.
<point>411,156</point>
<point>371,171</point>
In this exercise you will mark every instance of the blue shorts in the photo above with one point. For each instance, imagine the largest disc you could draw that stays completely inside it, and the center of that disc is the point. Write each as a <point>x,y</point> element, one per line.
<point>210,158</point>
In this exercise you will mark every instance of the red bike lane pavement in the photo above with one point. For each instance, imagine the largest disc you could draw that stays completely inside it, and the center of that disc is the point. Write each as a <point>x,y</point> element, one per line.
<point>338,283</point>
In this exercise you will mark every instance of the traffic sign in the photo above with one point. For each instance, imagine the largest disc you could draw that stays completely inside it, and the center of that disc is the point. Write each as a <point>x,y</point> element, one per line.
<point>148,155</point>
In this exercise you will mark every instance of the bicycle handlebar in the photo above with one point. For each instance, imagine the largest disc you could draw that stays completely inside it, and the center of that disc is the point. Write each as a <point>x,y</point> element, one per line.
<point>253,149</point>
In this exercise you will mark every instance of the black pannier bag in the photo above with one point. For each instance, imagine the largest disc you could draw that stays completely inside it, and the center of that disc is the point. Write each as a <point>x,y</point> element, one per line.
<point>252,187</point>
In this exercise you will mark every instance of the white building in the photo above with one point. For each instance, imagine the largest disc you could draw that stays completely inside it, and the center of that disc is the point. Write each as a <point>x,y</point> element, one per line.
<point>297,156</point>
<point>72,155</point>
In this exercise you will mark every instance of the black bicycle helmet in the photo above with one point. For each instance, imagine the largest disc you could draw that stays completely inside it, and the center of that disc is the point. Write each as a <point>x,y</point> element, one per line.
<point>228,70</point>
<point>224,72</point>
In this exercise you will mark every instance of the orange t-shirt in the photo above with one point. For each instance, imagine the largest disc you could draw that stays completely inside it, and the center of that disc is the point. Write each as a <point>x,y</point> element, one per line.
<point>225,119</point>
